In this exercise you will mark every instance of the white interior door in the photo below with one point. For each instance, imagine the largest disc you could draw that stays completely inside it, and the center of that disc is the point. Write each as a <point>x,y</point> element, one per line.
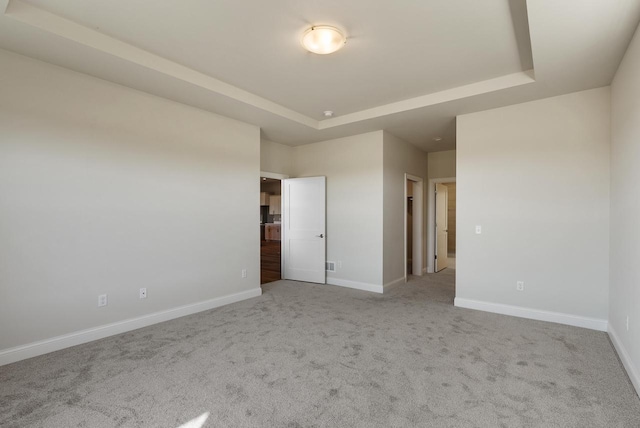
<point>304,229</point>
<point>442,257</point>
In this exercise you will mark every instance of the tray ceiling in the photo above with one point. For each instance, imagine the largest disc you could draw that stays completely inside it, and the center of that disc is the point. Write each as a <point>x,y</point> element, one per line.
<point>408,67</point>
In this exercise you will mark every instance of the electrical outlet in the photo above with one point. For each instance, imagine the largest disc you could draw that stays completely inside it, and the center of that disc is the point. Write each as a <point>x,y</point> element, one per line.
<point>478,230</point>
<point>520,285</point>
<point>244,273</point>
<point>627,322</point>
<point>143,293</point>
<point>102,300</point>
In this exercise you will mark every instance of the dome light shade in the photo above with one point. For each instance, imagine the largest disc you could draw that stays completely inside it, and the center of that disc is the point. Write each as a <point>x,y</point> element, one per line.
<point>323,39</point>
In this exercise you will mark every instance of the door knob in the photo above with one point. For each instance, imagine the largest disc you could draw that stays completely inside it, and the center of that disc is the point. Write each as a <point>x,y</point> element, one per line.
<point>320,236</point>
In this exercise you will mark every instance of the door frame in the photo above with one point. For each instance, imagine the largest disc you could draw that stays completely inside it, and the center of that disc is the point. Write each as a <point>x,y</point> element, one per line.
<point>418,222</point>
<point>273,175</point>
<point>280,177</point>
<point>431,220</point>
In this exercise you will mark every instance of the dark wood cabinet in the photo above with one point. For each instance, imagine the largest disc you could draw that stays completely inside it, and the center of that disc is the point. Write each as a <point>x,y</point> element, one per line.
<point>272,232</point>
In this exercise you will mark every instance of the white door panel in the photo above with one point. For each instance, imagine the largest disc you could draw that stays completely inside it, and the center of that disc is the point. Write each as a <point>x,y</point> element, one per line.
<point>442,233</point>
<point>303,229</point>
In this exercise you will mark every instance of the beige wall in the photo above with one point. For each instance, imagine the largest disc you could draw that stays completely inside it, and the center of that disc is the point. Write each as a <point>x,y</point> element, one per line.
<point>275,157</point>
<point>439,165</point>
<point>106,190</point>
<point>442,164</point>
<point>365,206</point>
<point>535,176</point>
<point>399,158</point>
<point>625,211</point>
<point>353,167</point>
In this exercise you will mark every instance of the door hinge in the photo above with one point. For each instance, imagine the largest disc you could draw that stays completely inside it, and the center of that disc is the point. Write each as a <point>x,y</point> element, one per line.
<point>436,256</point>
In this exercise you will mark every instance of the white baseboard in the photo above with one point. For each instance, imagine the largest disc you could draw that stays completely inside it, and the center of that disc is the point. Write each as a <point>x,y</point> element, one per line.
<point>534,314</point>
<point>389,285</point>
<point>424,270</point>
<point>11,355</point>
<point>374,288</point>
<point>627,362</point>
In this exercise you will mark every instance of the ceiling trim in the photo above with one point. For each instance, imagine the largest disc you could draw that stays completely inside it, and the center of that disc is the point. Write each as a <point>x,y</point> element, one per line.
<point>70,30</point>
<point>77,33</point>
<point>473,89</point>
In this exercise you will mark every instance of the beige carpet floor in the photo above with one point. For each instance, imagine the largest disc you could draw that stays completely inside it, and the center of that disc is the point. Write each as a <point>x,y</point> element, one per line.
<point>307,355</point>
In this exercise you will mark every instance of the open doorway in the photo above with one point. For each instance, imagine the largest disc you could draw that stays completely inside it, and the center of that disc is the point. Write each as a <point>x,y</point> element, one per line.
<point>442,228</point>
<point>270,227</point>
<point>409,220</point>
<point>451,225</point>
<point>292,228</point>
<point>441,225</point>
<point>413,226</point>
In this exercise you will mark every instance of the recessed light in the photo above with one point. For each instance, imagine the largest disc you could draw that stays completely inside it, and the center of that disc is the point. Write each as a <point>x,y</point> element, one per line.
<point>264,179</point>
<point>323,39</point>
<point>328,113</point>
<point>437,139</point>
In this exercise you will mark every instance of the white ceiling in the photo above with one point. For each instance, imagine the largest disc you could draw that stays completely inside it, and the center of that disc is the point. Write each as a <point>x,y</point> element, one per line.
<point>408,67</point>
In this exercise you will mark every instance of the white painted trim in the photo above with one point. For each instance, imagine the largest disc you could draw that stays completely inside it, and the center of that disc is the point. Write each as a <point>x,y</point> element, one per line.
<point>374,288</point>
<point>627,362</point>
<point>392,284</point>
<point>466,91</point>
<point>274,175</point>
<point>431,219</point>
<point>534,314</point>
<point>11,355</point>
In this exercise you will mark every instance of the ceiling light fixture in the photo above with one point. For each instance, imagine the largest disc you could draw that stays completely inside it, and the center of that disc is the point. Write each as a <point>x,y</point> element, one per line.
<point>323,39</point>
<point>437,139</point>
<point>328,113</point>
